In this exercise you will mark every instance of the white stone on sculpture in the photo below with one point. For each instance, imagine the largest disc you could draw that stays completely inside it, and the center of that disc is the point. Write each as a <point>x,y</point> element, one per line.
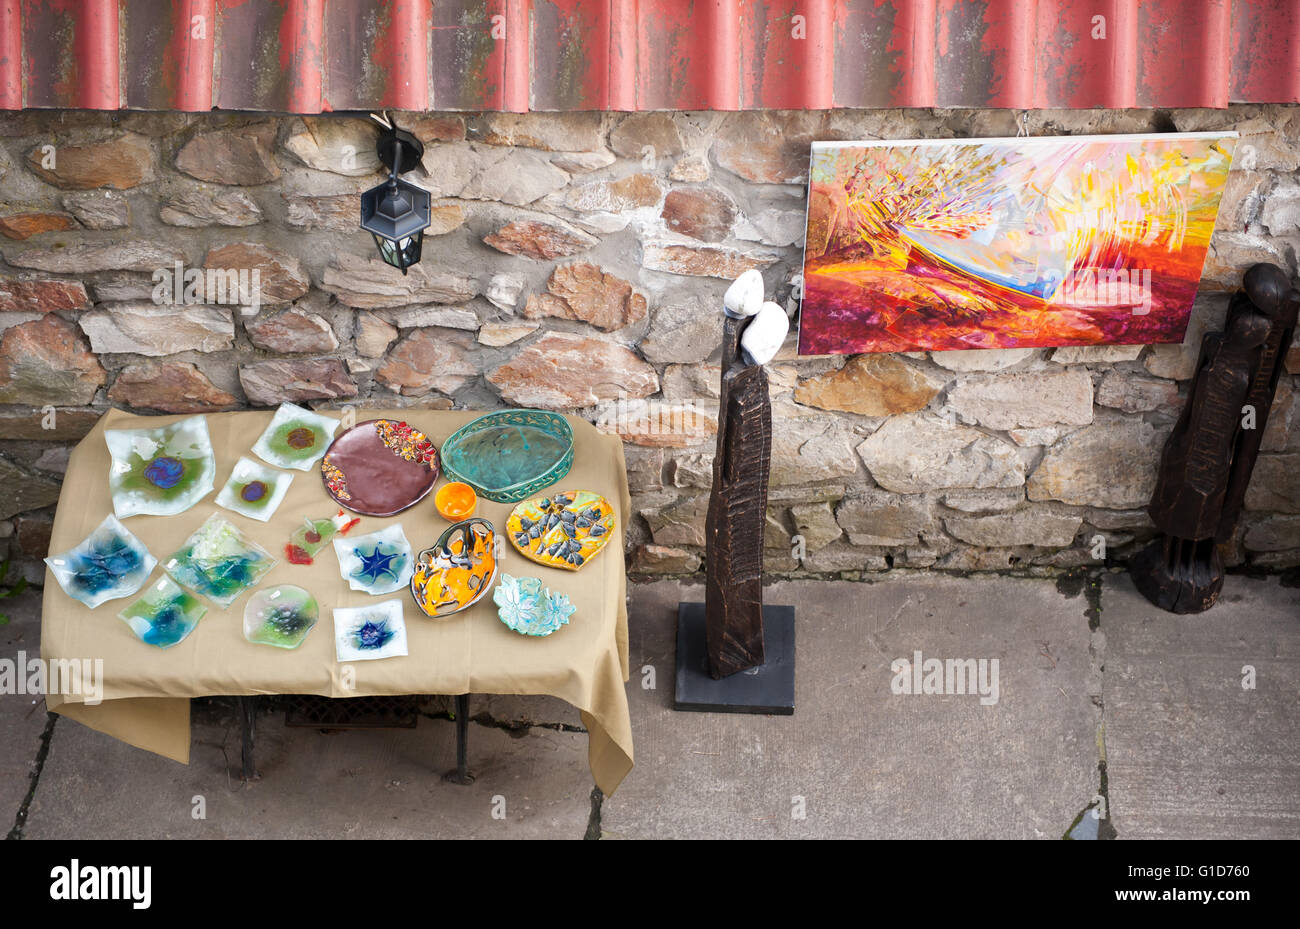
<point>765,334</point>
<point>745,295</point>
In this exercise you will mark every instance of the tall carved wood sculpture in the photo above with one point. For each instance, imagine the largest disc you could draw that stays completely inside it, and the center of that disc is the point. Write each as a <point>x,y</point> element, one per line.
<point>1209,456</point>
<point>733,529</point>
<point>733,631</point>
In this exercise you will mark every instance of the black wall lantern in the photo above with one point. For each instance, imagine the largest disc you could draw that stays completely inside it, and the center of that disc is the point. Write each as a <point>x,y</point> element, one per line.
<point>396,212</point>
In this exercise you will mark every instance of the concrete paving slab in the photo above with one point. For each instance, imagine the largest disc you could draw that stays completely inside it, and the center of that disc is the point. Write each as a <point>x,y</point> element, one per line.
<point>857,760</point>
<point>22,717</point>
<point>1190,753</point>
<point>374,784</point>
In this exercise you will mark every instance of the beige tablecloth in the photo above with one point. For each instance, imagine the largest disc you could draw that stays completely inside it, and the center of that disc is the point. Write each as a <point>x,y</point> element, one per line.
<point>147,690</point>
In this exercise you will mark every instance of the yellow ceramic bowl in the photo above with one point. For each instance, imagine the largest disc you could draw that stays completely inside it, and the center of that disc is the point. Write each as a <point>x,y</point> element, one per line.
<point>455,501</point>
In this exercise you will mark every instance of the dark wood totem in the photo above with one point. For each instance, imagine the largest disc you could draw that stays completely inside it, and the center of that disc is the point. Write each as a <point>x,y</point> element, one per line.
<point>733,529</point>
<point>1209,456</point>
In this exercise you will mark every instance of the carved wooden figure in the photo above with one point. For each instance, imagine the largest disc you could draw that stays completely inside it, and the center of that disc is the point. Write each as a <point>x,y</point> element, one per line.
<point>734,526</point>
<point>1211,451</point>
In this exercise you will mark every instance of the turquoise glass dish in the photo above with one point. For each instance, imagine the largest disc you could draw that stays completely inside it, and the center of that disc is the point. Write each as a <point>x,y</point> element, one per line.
<point>528,608</point>
<point>510,455</point>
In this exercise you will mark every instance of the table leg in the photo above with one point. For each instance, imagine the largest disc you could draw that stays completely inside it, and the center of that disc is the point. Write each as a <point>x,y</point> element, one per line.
<point>461,775</point>
<point>247,722</point>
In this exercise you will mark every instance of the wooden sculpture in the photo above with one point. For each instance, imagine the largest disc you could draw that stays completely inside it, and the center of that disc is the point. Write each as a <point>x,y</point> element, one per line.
<point>733,529</point>
<point>1211,452</point>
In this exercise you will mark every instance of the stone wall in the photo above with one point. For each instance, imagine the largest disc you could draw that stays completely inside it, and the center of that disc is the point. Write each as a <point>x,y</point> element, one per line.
<point>576,262</point>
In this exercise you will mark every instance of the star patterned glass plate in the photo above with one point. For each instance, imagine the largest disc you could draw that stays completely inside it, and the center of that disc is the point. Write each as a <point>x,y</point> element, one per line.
<point>218,562</point>
<point>160,472</point>
<point>378,562</point>
<point>164,615</point>
<point>254,490</point>
<point>375,630</point>
<point>109,563</point>
<point>295,438</point>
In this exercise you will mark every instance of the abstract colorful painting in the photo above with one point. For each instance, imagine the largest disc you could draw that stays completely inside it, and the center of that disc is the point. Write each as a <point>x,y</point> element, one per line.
<point>1007,243</point>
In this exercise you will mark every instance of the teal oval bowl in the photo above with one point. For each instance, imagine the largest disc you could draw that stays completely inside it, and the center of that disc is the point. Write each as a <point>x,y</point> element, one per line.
<point>510,455</point>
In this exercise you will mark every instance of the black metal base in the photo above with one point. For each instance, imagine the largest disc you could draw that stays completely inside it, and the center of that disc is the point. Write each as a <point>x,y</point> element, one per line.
<point>768,689</point>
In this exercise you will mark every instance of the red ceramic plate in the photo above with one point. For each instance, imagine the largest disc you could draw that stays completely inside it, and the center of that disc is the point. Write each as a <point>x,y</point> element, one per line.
<point>380,467</point>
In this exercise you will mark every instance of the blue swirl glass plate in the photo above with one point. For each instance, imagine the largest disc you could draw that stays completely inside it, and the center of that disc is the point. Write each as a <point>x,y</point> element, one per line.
<point>109,563</point>
<point>164,615</point>
<point>160,472</point>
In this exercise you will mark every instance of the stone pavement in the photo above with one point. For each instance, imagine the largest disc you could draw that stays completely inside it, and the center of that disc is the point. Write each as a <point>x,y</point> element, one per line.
<point>1101,701</point>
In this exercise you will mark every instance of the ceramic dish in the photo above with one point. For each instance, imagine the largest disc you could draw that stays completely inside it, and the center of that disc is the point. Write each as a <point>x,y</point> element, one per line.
<point>380,467</point>
<point>160,472</point>
<point>109,563</point>
<point>455,501</point>
<point>510,455</point>
<point>528,608</point>
<point>562,530</point>
<point>457,571</point>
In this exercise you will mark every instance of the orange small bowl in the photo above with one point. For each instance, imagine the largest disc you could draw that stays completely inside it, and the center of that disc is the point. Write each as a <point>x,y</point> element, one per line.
<point>455,501</point>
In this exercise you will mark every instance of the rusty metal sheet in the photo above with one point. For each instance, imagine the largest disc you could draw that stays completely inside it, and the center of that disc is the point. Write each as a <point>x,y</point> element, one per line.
<point>310,56</point>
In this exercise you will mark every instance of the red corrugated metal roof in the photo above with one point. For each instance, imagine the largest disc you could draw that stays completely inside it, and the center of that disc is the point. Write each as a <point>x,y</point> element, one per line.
<point>307,56</point>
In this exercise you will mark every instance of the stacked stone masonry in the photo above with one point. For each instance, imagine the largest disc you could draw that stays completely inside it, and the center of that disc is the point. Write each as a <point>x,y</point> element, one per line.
<point>576,262</point>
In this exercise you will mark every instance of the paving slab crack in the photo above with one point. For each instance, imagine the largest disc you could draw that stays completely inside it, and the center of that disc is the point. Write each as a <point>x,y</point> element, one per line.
<point>1093,821</point>
<point>38,765</point>
<point>593,822</point>
<point>517,728</point>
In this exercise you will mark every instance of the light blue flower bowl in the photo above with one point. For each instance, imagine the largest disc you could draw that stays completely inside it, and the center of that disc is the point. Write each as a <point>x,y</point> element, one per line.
<point>529,609</point>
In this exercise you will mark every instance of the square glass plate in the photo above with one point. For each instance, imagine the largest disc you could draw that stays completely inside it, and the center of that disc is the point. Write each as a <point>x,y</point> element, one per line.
<point>254,490</point>
<point>378,562</point>
<point>164,615</point>
<point>160,472</point>
<point>107,564</point>
<point>296,438</point>
<point>368,632</point>
<point>218,562</point>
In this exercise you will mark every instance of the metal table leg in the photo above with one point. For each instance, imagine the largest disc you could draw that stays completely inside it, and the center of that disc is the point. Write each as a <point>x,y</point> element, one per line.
<point>461,775</point>
<point>247,722</point>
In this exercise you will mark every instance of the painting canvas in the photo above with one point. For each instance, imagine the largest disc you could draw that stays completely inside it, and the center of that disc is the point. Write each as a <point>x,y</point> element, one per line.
<point>1007,243</point>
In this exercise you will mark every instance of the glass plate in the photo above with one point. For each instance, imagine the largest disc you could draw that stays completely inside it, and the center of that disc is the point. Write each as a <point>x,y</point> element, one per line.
<point>160,472</point>
<point>107,564</point>
<point>368,632</point>
<point>280,616</point>
<point>218,562</point>
<point>254,490</point>
<point>378,562</point>
<point>164,615</point>
<point>295,438</point>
